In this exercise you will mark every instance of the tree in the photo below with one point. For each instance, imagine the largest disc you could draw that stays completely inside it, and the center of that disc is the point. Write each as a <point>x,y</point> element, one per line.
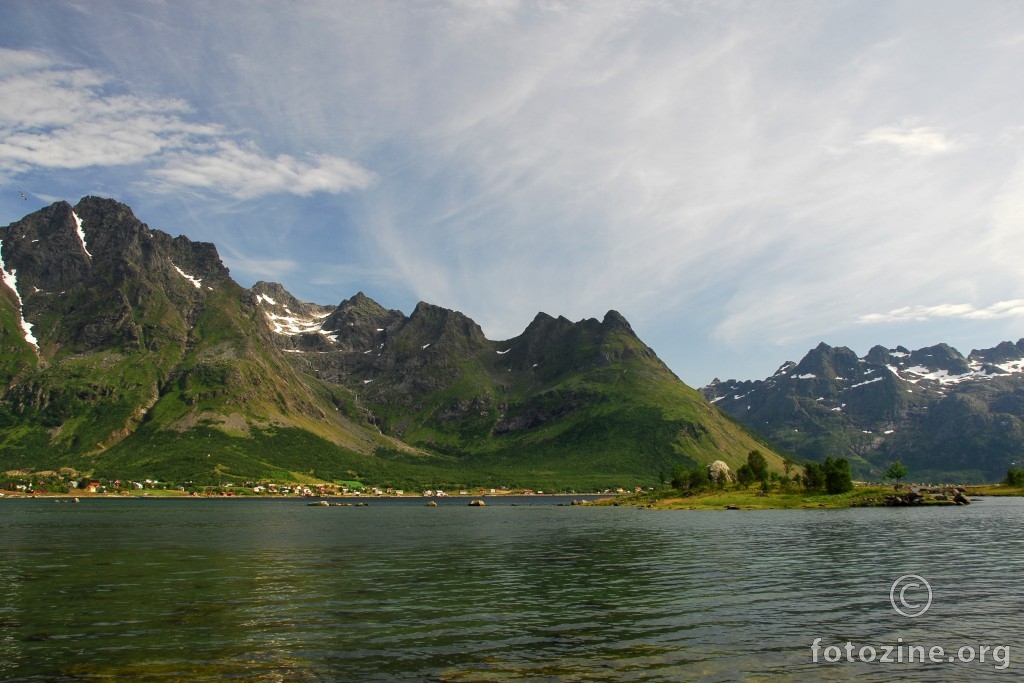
<point>838,478</point>
<point>814,476</point>
<point>787,465</point>
<point>758,465</point>
<point>896,470</point>
<point>745,475</point>
<point>680,476</point>
<point>1014,477</point>
<point>690,479</point>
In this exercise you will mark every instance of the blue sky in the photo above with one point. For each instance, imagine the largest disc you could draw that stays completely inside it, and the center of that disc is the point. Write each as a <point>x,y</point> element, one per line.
<point>741,180</point>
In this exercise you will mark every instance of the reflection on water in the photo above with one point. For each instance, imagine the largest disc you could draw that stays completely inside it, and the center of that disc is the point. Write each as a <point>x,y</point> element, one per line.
<point>276,590</point>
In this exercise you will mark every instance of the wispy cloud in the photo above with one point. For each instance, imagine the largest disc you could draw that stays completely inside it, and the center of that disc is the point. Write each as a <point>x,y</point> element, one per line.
<point>750,172</point>
<point>251,268</point>
<point>56,116</point>
<point>1001,309</point>
<point>245,172</point>
<point>63,117</point>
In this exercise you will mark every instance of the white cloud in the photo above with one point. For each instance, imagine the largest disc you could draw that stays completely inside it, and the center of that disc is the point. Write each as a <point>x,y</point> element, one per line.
<point>246,172</point>
<point>55,116</point>
<point>1001,309</point>
<point>60,117</point>
<point>752,172</point>
<point>911,139</point>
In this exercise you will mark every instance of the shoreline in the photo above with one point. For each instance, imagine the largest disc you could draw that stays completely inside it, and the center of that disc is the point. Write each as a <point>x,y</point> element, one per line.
<point>870,496</point>
<point>179,495</point>
<point>860,497</point>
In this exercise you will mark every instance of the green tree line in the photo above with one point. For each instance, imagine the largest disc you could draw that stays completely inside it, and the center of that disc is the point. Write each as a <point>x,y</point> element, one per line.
<point>832,476</point>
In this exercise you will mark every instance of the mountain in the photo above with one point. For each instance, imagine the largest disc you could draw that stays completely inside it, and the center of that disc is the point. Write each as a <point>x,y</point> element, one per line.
<point>943,414</point>
<point>580,401</point>
<point>126,352</point>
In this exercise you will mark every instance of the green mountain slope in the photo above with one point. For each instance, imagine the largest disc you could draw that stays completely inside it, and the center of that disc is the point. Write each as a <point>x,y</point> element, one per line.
<point>126,352</point>
<point>581,402</point>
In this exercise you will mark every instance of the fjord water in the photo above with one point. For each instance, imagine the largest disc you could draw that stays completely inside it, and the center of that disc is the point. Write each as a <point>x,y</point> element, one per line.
<point>274,590</point>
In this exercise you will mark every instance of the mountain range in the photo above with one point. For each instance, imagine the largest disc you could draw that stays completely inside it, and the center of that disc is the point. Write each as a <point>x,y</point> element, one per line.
<point>944,415</point>
<point>127,352</point>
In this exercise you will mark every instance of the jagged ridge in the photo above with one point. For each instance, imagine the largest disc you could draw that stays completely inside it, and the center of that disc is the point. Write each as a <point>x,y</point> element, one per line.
<point>126,351</point>
<point>561,395</point>
<point>944,414</point>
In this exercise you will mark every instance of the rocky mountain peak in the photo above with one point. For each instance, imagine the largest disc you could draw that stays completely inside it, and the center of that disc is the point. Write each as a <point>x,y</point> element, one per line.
<point>544,325</point>
<point>110,228</point>
<point>274,295</point>
<point>1005,351</point>
<point>613,320</point>
<point>46,251</point>
<point>433,322</point>
<point>84,274</point>
<point>827,362</point>
<point>878,354</point>
<point>940,357</point>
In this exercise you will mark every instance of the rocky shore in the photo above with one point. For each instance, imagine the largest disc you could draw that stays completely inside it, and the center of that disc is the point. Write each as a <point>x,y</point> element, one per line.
<point>920,495</point>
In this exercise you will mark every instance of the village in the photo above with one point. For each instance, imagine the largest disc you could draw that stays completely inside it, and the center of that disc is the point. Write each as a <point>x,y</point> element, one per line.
<point>22,484</point>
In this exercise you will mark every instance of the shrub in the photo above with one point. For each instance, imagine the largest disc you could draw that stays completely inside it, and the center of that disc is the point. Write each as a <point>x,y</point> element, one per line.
<point>1014,477</point>
<point>690,479</point>
<point>814,476</point>
<point>838,478</point>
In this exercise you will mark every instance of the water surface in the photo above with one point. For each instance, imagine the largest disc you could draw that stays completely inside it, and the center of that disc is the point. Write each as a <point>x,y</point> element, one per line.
<point>274,590</point>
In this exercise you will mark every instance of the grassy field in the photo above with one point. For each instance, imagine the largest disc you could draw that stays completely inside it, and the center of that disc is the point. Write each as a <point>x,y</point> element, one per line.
<point>994,490</point>
<point>753,499</point>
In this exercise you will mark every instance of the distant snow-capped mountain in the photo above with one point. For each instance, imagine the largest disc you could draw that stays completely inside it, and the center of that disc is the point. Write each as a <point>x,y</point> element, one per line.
<point>939,411</point>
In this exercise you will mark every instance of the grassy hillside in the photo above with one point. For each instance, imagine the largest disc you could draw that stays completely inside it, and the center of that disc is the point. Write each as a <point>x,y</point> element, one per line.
<point>580,404</point>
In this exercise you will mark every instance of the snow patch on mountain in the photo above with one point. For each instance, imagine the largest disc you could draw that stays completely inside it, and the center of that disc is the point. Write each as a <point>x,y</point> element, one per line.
<point>11,280</point>
<point>943,377</point>
<point>291,325</point>
<point>81,233</point>
<point>1011,366</point>
<point>940,376</point>
<point>870,381</point>
<point>196,282</point>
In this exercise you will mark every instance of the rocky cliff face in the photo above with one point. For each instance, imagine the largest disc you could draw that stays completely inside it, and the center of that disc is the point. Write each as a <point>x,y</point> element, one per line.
<point>944,414</point>
<point>81,273</point>
<point>391,360</point>
<point>117,336</point>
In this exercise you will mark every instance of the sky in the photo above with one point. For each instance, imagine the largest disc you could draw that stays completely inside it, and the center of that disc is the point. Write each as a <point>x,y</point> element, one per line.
<point>741,180</point>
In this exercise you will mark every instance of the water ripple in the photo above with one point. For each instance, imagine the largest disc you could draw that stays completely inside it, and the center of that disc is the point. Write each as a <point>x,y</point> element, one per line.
<point>268,590</point>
